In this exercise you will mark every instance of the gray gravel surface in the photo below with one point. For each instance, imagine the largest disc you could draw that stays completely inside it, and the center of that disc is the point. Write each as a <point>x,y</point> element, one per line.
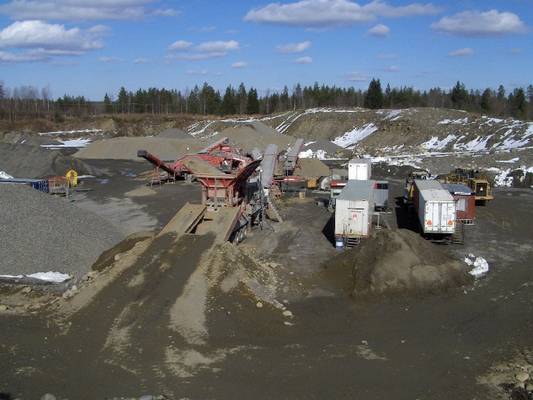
<point>40,233</point>
<point>25,161</point>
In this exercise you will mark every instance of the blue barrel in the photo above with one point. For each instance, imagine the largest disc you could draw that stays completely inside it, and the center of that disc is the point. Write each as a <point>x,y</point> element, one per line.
<point>339,243</point>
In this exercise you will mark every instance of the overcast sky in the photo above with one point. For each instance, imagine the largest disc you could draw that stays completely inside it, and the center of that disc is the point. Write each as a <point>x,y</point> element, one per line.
<point>101,45</point>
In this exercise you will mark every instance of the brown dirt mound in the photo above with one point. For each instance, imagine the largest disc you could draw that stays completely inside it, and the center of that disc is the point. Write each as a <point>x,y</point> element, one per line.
<point>399,262</point>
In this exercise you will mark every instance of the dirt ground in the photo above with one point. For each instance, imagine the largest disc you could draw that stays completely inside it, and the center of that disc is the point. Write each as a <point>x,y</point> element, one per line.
<point>117,336</point>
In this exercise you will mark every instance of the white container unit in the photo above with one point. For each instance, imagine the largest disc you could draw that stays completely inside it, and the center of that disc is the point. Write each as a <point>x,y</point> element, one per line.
<point>359,169</point>
<point>435,208</point>
<point>353,210</point>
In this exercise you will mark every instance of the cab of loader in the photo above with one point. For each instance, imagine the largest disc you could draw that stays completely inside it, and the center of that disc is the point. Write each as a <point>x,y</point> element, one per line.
<point>410,183</point>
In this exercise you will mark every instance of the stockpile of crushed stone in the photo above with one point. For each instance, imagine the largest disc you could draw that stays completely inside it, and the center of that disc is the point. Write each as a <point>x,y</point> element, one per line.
<point>125,148</point>
<point>247,138</point>
<point>24,161</point>
<point>400,261</point>
<point>311,168</point>
<point>41,233</point>
<point>174,133</point>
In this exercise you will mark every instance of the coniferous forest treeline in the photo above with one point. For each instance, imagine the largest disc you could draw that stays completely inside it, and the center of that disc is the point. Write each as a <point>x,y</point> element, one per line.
<point>31,102</point>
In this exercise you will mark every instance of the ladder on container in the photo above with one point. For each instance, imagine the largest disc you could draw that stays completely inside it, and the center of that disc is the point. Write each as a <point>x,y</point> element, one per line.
<point>458,236</point>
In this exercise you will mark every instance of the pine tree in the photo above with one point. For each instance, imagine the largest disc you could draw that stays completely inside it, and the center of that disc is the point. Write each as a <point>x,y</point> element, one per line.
<point>228,106</point>
<point>242,99</point>
<point>253,102</point>
<point>517,103</point>
<point>123,100</point>
<point>108,106</point>
<point>459,95</point>
<point>374,95</point>
<point>486,101</point>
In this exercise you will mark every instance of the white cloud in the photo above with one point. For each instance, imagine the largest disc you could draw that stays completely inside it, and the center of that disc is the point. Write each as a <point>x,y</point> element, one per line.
<point>39,34</point>
<point>195,56</point>
<point>202,51</point>
<point>83,10</point>
<point>201,72</point>
<point>165,12</point>
<point>320,13</point>
<point>387,56</point>
<point>110,59</point>
<point>239,64</point>
<point>476,23</point>
<point>180,45</point>
<point>304,60</point>
<point>392,68</point>
<point>467,51</point>
<point>379,30</point>
<point>8,57</point>
<point>141,60</point>
<point>357,77</point>
<point>294,47</point>
<point>218,46</point>
<point>41,41</point>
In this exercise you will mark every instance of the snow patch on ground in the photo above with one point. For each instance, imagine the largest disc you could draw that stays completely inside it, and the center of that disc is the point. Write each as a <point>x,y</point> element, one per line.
<point>51,277</point>
<point>461,121</point>
<point>511,161</point>
<point>73,132</point>
<point>74,143</point>
<point>350,138</point>
<point>477,144</point>
<point>480,266</point>
<point>320,154</point>
<point>437,144</point>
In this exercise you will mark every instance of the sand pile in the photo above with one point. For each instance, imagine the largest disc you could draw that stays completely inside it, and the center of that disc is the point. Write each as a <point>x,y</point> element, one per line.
<point>311,168</point>
<point>23,161</point>
<point>125,148</point>
<point>41,233</point>
<point>400,261</point>
<point>247,138</point>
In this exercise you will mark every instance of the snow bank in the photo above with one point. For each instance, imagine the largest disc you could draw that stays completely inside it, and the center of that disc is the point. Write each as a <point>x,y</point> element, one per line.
<point>437,144</point>
<point>58,133</point>
<point>74,143</point>
<point>349,139</point>
<point>461,121</point>
<point>51,277</point>
<point>511,161</point>
<point>320,154</point>
<point>5,175</point>
<point>479,265</point>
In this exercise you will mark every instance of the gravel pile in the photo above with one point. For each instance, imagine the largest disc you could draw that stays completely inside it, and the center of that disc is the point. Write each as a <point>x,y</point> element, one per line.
<point>174,133</point>
<point>125,148</point>
<point>41,233</point>
<point>400,261</point>
<point>23,161</point>
<point>247,138</point>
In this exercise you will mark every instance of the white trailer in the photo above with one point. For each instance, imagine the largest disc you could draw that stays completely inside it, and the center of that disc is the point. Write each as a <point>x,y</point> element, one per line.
<point>353,212</point>
<point>359,169</point>
<point>435,208</point>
